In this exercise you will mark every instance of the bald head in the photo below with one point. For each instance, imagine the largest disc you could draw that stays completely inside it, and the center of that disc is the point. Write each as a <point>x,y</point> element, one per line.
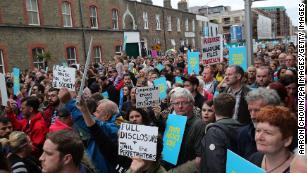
<point>106,109</point>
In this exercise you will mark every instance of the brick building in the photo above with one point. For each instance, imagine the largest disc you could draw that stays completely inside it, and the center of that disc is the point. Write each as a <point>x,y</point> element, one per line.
<point>30,30</point>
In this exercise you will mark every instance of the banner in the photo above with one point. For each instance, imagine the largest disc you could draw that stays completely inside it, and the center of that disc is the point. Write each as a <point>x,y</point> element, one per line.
<point>193,63</point>
<point>64,77</point>
<point>238,56</point>
<point>138,141</point>
<point>3,90</point>
<point>147,97</point>
<point>212,50</point>
<point>161,84</point>
<point>236,164</point>
<point>172,138</point>
<point>16,87</point>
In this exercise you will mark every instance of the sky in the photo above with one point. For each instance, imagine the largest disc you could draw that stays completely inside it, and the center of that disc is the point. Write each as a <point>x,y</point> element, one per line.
<point>290,5</point>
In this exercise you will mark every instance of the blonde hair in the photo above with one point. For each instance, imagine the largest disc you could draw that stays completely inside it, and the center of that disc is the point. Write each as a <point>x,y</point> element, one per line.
<point>17,140</point>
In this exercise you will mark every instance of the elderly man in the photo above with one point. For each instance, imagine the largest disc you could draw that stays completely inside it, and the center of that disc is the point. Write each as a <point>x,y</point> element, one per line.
<point>255,99</point>
<point>106,114</point>
<point>182,101</point>
<point>290,61</point>
<point>263,77</point>
<point>251,75</point>
<point>281,58</point>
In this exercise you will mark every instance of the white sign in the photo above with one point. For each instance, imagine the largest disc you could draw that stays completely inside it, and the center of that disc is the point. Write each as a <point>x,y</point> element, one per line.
<point>64,77</point>
<point>212,49</point>
<point>189,34</point>
<point>138,141</point>
<point>4,97</point>
<point>147,97</point>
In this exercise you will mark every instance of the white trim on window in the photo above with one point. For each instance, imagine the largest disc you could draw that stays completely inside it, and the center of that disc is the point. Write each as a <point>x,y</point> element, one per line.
<point>97,54</point>
<point>93,17</point>
<point>178,24</point>
<point>38,63</point>
<point>115,19</point>
<point>2,69</point>
<point>145,19</point>
<point>71,55</point>
<point>32,12</point>
<point>158,23</point>
<point>169,23</point>
<point>66,12</point>
<point>186,25</point>
<point>193,25</point>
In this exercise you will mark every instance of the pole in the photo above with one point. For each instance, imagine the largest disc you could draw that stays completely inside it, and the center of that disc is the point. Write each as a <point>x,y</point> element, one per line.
<point>248,31</point>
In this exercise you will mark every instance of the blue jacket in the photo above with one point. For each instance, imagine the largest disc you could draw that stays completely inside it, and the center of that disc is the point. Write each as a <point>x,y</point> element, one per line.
<point>109,127</point>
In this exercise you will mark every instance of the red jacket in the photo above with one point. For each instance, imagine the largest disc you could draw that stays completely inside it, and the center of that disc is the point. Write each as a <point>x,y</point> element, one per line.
<point>36,129</point>
<point>59,125</point>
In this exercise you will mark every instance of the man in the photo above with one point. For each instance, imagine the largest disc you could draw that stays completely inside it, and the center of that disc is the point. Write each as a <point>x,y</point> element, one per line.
<point>33,123</point>
<point>108,90</point>
<point>63,121</point>
<point>290,61</point>
<point>281,59</point>
<point>152,75</point>
<point>53,103</point>
<point>210,83</point>
<point>219,136</point>
<point>256,99</point>
<point>132,76</point>
<point>299,163</point>
<point>233,78</point>
<point>106,115</point>
<point>258,62</point>
<point>263,77</point>
<point>63,152</point>
<point>192,84</point>
<point>251,75</point>
<point>5,127</point>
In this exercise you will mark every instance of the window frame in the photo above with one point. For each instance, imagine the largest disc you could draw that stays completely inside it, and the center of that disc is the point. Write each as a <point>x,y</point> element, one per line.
<point>68,59</point>
<point>32,11</point>
<point>93,18</point>
<point>158,22</point>
<point>67,15</point>
<point>2,66</point>
<point>94,54</point>
<point>169,23</point>
<point>35,60</point>
<point>178,25</point>
<point>186,24</point>
<point>145,19</point>
<point>115,19</point>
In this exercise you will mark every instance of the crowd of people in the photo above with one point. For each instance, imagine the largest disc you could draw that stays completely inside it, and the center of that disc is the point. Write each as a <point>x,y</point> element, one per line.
<point>252,113</point>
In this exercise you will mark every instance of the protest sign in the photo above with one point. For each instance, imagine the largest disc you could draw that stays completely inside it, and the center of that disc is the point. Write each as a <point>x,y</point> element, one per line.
<point>238,56</point>
<point>154,53</point>
<point>178,79</point>
<point>105,95</point>
<point>161,84</point>
<point>172,138</point>
<point>3,90</point>
<point>16,74</point>
<point>64,77</point>
<point>138,141</point>
<point>193,63</point>
<point>147,97</point>
<point>236,164</point>
<point>160,67</point>
<point>212,50</point>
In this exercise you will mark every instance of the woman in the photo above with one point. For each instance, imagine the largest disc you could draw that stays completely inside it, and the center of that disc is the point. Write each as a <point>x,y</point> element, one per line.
<point>127,90</point>
<point>129,103</point>
<point>275,129</point>
<point>207,113</point>
<point>20,157</point>
<point>138,116</point>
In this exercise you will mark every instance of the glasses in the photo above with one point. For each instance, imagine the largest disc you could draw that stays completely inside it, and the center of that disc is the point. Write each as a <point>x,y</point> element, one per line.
<point>181,103</point>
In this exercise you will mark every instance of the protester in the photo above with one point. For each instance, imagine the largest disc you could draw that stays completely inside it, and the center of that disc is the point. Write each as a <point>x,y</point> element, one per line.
<point>208,114</point>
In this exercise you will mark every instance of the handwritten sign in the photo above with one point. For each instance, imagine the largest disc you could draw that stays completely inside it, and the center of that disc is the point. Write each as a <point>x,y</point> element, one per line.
<point>147,97</point>
<point>3,90</point>
<point>212,50</point>
<point>236,164</point>
<point>172,138</point>
<point>193,63</point>
<point>138,141</point>
<point>64,77</point>
<point>161,84</point>
<point>238,56</point>
<point>16,74</point>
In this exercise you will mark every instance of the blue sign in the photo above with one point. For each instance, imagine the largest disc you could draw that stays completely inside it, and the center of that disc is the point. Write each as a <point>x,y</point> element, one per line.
<point>16,74</point>
<point>178,79</point>
<point>193,63</point>
<point>238,56</point>
<point>105,95</point>
<point>236,164</point>
<point>161,84</point>
<point>172,138</point>
<point>236,33</point>
<point>160,67</point>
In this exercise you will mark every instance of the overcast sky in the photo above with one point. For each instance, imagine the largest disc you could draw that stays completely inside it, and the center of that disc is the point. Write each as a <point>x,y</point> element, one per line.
<point>291,5</point>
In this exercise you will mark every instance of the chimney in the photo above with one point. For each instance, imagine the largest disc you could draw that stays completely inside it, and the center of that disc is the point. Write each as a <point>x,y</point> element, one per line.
<point>183,5</point>
<point>167,4</point>
<point>147,1</point>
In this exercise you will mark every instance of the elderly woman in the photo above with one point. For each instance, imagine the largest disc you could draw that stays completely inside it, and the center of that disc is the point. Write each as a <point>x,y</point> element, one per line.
<point>275,129</point>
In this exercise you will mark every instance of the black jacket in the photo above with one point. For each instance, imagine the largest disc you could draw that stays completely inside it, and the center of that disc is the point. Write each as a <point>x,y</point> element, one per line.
<point>246,141</point>
<point>112,92</point>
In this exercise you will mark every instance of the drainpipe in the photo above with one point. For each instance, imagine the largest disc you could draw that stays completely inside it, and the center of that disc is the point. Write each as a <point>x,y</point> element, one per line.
<point>164,29</point>
<point>83,30</point>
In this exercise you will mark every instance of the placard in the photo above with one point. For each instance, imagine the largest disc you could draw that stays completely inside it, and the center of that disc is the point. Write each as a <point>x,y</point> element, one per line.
<point>212,50</point>
<point>138,141</point>
<point>16,86</point>
<point>154,53</point>
<point>3,90</point>
<point>238,56</point>
<point>160,67</point>
<point>64,77</point>
<point>147,97</point>
<point>161,84</point>
<point>178,80</point>
<point>193,63</point>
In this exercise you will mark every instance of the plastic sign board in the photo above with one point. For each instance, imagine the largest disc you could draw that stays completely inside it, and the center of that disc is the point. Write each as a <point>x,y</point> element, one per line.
<point>193,63</point>
<point>64,77</point>
<point>16,87</point>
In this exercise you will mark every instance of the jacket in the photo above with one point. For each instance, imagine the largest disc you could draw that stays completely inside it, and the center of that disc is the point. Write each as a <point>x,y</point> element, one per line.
<point>36,128</point>
<point>59,125</point>
<point>214,145</point>
<point>246,141</point>
<point>28,164</point>
<point>109,127</point>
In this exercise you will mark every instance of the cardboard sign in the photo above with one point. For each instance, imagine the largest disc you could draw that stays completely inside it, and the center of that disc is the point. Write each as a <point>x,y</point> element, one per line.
<point>16,87</point>
<point>193,63</point>
<point>161,84</point>
<point>172,138</point>
<point>147,97</point>
<point>64,77</point>
<point>3,90</point>
<point>238,56</point>
<point>211,48</point>
<point>138,141</point>
<point>236,164</point>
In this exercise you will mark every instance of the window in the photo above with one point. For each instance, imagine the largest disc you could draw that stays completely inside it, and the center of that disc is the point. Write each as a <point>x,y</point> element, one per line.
<point>2,70</point>
<point>66,12</point>
<point>145,19</point>
<point>93,17</point>
<point>186,24</point>
<point>178,24</point>
<point>169,23</point>
<point>38,60</point>
<point>237,19</point>
<point>193,25</point>
<point>32,12</point>
<point>158,22</point>
<point>97,54</point>
<point>118,50</point>
<point>115,19</point>
<point>71,55</point>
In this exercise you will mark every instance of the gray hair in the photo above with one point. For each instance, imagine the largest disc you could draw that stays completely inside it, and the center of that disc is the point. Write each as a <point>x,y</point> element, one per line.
<point>112,107</point>
<point>181,92</point>
<point>269,96</point>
